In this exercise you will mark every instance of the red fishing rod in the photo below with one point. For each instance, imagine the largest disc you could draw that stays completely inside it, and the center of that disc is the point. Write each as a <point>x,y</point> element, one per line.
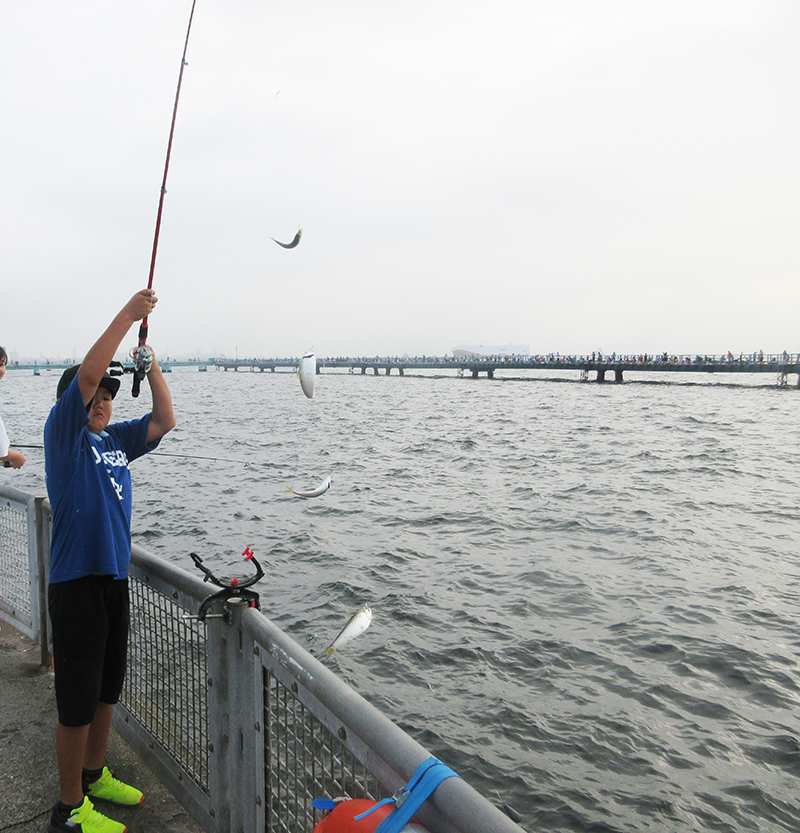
<point>142,356</point>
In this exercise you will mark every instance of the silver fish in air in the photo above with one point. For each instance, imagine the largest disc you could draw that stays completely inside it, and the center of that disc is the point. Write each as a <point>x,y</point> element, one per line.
<point>355,626</point>
<point>307,372</point>
<point>320,490</point>
<point>293,243</point>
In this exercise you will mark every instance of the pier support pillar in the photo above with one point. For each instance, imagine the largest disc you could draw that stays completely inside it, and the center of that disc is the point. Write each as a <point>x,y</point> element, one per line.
<point>601,375</point>
<point>388,370</point>
<point>474,374</point>
<point>375,370</point>
<point>618,376</point>
<point>364,370</point>
<point>490,373</point>
<point>402,374</point>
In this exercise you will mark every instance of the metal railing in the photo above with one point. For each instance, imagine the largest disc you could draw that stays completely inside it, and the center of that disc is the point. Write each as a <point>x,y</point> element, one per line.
<point>242,724</point>
<point>24,556</point>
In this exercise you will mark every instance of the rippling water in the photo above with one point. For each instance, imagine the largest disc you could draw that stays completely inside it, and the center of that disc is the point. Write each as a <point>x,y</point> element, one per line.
<point>585,597</point>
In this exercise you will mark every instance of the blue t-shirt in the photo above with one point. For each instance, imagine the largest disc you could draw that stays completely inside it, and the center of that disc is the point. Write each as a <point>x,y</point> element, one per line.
<point>89,486</point>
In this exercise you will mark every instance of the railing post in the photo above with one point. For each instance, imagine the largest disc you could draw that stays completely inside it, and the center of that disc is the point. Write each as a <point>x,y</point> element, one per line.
<point>37,575</point>
<point>42,555</point>
<point>231,721</point>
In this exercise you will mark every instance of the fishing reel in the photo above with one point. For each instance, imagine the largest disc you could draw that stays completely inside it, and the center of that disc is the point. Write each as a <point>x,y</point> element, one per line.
<point>232,588</point>
<point>142,357</point>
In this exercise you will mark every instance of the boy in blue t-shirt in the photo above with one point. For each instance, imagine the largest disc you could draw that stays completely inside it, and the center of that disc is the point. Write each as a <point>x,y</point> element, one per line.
<point>89,486</point>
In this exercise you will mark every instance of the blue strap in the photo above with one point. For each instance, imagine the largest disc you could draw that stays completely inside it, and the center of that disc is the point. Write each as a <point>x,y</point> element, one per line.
<point>323,804</point>
<point>426,778</point>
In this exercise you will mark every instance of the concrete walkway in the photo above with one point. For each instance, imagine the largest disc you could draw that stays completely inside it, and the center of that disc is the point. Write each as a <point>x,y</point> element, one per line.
<point>28,771</point>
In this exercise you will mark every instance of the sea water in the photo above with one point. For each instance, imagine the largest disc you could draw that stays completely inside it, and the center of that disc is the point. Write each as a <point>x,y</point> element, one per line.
<point>584,596</point>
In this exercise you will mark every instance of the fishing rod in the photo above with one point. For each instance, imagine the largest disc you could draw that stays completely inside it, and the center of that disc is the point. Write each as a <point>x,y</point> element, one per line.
<point>143,356</point>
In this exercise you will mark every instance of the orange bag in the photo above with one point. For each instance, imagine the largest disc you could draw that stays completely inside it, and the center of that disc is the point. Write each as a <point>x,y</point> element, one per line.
<point>342,818</point>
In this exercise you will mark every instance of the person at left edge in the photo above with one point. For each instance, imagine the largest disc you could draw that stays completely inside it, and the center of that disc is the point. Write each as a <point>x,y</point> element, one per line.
<point>89,486</point>
<point>9,456</point>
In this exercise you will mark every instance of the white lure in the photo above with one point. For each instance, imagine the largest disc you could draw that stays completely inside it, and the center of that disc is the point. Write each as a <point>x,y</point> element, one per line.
<point>320,490</point>
<point>307,371</point>
<point>355,626</point>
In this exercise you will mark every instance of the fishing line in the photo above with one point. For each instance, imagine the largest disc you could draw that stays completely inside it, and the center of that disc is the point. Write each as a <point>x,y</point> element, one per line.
<point>25,821</point>
<point>201,457</point>
<point>170,454</point>
<point>142,358</point>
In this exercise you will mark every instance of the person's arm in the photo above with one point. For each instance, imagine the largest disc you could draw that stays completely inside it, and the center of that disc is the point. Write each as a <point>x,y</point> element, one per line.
<point>14,459</point>
<point>162,419</point>
<point>10,458</point>
<point>102,352</point>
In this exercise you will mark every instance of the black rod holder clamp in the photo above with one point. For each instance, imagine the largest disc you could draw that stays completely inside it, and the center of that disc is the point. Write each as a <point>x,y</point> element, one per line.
<point>232,588</point>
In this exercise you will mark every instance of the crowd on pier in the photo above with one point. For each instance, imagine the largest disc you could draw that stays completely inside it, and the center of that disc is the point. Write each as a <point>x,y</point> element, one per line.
<point>596,357</point>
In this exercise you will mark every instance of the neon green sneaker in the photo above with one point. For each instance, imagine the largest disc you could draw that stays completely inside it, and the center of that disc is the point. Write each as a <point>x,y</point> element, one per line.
<point>85,819</point>
<point>110,788</point>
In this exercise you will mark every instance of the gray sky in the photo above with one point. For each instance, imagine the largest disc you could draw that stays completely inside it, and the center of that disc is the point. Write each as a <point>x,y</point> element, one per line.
<point>567,175</point>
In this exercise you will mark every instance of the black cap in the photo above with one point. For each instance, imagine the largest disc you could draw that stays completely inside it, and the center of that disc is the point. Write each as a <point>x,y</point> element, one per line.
<point>108,382</point>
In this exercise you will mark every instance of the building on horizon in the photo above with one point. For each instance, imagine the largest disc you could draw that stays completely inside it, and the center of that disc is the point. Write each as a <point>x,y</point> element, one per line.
<point>481,350</point>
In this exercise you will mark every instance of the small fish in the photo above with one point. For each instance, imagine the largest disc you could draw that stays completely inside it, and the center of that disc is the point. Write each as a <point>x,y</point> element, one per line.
<point>293,243</point>
<point>320,490</point>
<point>355,626</point>
<point>307,372</point>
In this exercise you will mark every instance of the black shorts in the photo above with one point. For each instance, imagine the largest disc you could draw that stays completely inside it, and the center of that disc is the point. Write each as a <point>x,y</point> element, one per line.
<point>90,618</point>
